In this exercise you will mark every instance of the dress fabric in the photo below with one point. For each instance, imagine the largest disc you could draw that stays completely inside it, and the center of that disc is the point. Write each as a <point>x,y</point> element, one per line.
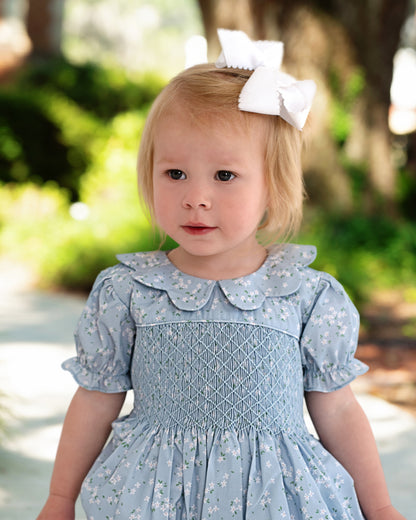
<point>218,370</point>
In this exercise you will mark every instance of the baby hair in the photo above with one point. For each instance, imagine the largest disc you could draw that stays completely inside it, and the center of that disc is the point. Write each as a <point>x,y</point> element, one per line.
<point>207,93</point>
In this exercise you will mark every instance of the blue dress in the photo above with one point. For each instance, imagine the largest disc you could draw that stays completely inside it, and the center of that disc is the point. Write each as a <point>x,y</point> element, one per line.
<point>219,370</point>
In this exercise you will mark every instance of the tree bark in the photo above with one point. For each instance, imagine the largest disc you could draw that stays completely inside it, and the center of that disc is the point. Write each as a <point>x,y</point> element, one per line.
<point>16,45</point>
<point>44,27</point>
<point>374,28</point>
<point>229,14</point>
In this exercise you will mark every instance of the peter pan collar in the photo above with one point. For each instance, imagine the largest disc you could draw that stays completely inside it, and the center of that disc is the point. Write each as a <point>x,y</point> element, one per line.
<point>280,275</point>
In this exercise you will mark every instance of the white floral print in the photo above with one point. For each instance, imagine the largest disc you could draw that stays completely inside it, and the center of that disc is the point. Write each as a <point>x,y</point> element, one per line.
<point>218,370</point>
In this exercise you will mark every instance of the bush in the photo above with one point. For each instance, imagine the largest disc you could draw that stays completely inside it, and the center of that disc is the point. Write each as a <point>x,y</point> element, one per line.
<point>363,253</point>
<point>36,227</point>
<point>51,118</point>
<point>43,137</point>
<point>36,222</point>
<point>102,91</point>
<point>66,137</point>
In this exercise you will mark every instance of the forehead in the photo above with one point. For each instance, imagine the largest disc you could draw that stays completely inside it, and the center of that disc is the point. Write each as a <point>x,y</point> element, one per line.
<point>189,121</point>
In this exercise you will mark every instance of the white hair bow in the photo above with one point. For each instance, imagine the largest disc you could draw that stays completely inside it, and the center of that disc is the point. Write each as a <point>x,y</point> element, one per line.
<point>268,90</point>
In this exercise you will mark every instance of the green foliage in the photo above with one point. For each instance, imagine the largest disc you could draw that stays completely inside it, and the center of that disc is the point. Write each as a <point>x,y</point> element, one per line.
<point>72,133</point>
<point>36,225</point>
<point>33,147</point>
<point>358,175</point>
<point>364,253</point>
<point>344,95</point>
<point>101,91</point>
<point>340,122</point>
<point>35,222</point>
<point>137,35</point>
<point>53,117</point>
<point>406,193</point>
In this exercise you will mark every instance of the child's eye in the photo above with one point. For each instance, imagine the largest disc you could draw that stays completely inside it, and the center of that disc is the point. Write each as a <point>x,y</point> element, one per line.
<point>224,175</point>
<point>176,175</point>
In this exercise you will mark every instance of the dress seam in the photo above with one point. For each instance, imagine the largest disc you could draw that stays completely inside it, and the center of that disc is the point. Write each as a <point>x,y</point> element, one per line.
<point>181,322</point>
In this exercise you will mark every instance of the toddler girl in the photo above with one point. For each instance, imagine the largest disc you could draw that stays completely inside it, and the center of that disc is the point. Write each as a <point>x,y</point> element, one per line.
<point>220,338</point>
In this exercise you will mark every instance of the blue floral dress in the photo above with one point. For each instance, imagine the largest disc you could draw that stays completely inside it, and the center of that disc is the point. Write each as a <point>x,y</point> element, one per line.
<point>219,370</point>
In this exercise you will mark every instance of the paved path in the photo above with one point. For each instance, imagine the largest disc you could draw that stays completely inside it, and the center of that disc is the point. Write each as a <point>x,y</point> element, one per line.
<point>36,336</point>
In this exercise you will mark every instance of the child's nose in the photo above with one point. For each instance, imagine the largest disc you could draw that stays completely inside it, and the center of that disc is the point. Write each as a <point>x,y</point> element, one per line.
<point>197,197</point>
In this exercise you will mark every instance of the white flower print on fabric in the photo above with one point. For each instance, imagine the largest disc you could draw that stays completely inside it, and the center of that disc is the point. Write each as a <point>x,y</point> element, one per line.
<point>218,370</point>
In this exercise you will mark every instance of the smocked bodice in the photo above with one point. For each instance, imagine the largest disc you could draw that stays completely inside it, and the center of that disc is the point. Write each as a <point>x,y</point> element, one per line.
<point>209,375</point>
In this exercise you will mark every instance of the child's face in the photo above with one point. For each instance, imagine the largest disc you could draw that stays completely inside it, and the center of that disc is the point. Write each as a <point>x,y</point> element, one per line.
<point>209,186</point>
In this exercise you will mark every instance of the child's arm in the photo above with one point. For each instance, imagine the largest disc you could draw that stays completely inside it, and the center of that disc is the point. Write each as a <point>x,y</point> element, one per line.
<point>344,430</point>
<point>86,428</point>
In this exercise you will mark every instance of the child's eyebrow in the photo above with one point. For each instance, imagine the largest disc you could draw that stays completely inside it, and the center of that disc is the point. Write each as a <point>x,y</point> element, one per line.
<point>166,159</point>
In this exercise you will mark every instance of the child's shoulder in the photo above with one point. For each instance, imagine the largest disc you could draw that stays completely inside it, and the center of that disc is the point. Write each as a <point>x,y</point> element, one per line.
<point>296,260</point>
<point>122,275</point>
<point>144,260</point>
<point>131,263</point>
<point>291,255</point>
<point>144,266</point>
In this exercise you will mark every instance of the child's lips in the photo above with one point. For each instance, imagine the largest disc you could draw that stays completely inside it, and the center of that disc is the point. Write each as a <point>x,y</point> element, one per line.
<point>197,228</point>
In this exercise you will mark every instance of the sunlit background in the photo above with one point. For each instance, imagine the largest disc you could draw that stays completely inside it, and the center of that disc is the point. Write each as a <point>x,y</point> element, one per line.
<point>137,35</point>
<point>77,79</point>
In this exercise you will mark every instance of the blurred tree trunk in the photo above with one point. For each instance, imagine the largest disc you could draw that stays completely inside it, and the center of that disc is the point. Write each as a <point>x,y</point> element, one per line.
<point>230,14</point>
<point>15,44</point>
<point>44,27</point>
<point>341,45</point>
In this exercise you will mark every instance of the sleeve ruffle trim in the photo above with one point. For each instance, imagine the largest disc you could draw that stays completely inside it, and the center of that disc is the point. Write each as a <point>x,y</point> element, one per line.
<point>95,381</point>
<point>334,378</point>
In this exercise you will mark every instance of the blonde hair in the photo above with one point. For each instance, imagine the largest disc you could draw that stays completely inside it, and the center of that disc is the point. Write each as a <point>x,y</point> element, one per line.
<point>208,93</point>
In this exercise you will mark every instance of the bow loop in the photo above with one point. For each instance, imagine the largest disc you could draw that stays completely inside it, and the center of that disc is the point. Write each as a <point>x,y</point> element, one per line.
<point>293,98</point>
<point>239,52</point>
<point>272,92</point>
<point>196,51</point>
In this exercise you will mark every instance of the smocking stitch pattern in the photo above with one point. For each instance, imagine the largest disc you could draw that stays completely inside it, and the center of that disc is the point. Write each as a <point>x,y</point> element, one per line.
<point>217,375</point>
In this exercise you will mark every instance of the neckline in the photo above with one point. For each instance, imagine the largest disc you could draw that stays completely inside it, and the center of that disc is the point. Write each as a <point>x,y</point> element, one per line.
<point>174,266</point>
<point>279,275</point>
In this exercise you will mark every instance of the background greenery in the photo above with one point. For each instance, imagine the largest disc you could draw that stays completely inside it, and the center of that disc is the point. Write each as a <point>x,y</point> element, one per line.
<point>88,120</point>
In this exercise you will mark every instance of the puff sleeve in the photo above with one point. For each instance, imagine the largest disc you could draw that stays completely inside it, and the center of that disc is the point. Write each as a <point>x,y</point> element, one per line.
<point>329,339</point>
<point>104,339</point>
